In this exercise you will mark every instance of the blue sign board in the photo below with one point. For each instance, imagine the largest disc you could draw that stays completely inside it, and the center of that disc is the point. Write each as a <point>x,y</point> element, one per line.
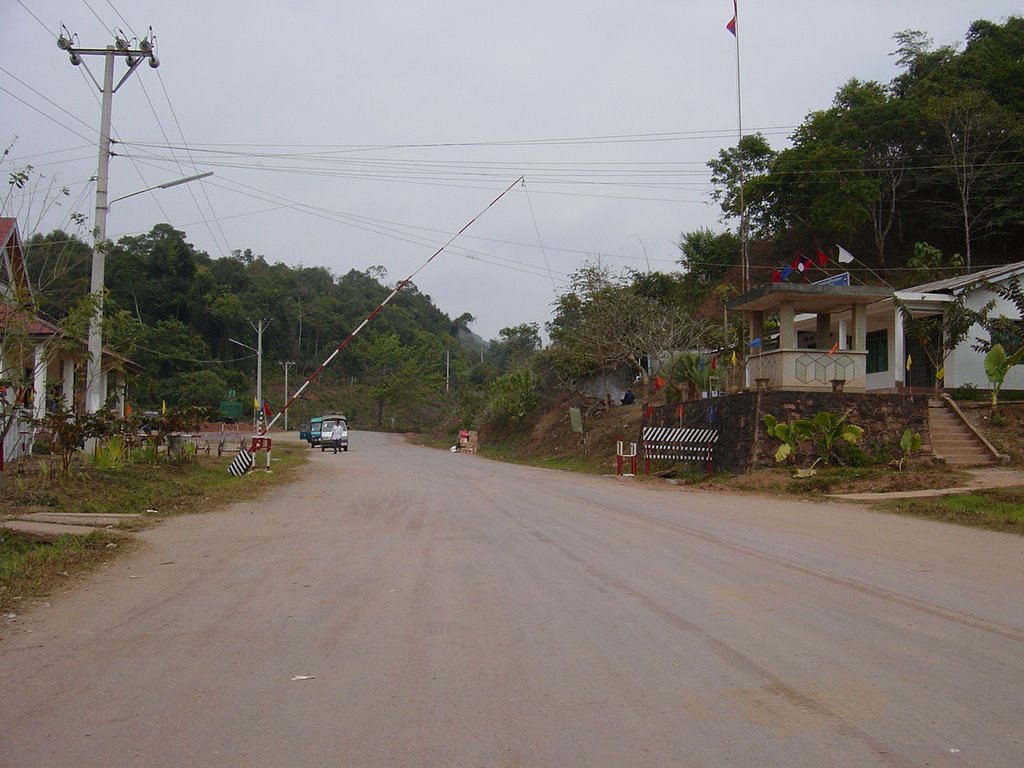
<point>841,279</point>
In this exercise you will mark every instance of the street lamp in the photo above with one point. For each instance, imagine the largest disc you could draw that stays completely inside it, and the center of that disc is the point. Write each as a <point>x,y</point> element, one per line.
<point>165,185</point>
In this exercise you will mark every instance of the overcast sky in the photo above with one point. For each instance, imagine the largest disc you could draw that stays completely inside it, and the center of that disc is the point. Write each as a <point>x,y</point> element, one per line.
<point>356,134</point>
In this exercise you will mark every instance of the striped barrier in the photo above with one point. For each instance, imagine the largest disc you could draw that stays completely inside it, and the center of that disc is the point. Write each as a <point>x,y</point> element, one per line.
<point>241,464</point>
<point>679,445</point>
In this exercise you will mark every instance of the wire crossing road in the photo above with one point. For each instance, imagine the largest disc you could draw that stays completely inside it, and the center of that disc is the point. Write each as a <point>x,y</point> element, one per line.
<point>403,606</point>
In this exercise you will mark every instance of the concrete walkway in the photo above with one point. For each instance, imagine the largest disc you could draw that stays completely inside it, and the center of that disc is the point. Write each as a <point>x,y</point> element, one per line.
<point>49,526</point>
<point>983,477</point>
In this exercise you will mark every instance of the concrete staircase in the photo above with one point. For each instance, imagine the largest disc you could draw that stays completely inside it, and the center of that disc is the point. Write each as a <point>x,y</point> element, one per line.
<point>953,440</point>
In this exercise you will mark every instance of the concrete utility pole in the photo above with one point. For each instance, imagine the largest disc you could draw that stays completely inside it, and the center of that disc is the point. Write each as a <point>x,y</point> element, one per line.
<point>133,56</point>
<point>259,327</point>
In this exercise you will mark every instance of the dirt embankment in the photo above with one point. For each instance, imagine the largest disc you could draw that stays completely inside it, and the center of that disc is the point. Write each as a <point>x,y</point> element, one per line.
<point>552,438</point>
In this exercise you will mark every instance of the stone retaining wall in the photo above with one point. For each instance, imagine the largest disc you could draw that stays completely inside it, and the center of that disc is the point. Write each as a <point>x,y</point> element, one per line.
<point>743,444</point>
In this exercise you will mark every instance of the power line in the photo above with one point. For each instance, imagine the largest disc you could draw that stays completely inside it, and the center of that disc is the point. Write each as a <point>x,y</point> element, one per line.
<point>48,117</point>
<point>181,133</point>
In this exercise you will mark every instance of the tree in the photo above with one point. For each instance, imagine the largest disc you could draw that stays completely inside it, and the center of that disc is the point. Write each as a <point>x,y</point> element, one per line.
<point>517,346</point>
<point>604,324</point>
<point>817,188</point>
<point>734,171</point>
<point>510,397</point>
<point>396,373</point>
<point>706,256</point>
<point>154,276</point>
<point>868,136</point>
<point>975,132</point>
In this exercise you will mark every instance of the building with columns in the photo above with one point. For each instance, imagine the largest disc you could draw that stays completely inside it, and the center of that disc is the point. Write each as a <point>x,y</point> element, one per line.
<point>831,336</point>
<point>42,369</point>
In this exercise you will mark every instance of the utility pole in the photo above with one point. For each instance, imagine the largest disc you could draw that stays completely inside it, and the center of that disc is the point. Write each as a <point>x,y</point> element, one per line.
<point>285,364</point>
<point>133,56</point>
<point>259,327</point>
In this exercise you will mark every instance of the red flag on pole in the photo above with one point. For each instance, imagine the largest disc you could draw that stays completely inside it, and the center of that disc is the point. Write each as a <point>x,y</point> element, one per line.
<point>822,258</point>
<point>731,26</point>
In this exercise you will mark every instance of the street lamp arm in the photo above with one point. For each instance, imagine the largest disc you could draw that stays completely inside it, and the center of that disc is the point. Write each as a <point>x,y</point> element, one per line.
<point>165,185</point>
<point>234,341</point>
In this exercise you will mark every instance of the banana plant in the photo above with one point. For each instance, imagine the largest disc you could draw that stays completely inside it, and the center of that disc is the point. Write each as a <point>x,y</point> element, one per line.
<point>910,443</point>
<point>997,365</point>
<point>829,429</point>
<point>790,434</point>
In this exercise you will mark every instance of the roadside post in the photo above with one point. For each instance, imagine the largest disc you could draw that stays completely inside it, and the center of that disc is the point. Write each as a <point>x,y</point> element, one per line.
<point>621,456</point>
<point>260,443</point>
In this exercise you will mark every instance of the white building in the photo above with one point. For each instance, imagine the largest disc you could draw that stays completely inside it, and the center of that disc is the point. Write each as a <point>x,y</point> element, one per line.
<point>856,335</point>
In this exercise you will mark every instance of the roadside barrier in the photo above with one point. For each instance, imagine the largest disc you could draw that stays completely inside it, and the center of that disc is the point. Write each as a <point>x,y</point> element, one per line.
<point>679,445</point>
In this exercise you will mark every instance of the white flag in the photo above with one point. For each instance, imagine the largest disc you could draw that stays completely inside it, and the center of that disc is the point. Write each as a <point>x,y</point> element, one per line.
<point>845,257</point>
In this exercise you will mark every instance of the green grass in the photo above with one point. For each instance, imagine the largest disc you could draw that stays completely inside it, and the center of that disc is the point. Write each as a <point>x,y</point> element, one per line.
<point>999,509</point>
<point>569,462</point>
<point>29,570</point>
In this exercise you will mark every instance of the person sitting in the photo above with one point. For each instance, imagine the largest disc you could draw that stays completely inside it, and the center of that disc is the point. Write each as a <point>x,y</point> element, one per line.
<point>629,398</point>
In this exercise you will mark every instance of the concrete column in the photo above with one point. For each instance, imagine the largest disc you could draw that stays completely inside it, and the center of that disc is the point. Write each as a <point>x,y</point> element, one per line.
<point>755,322</point>
<point>104,385</point>
<point>844,331</point>
<point>860,327</point>
<point>39,381</point>
<point>121,392</point>
<point>68,372</point>
<point>899,349</point>
<point>787,326</point>
<point>9,393</point>
<point>823,331</point>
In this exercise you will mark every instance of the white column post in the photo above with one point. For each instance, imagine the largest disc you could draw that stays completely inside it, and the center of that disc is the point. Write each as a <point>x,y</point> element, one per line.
<point>39,381</point>
<point>787,326</point>
<point>68,371</point>
<point>121,393</point>
<point>899,350</point>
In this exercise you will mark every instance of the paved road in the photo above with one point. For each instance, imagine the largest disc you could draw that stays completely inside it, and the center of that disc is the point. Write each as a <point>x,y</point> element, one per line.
<point>452,611</point>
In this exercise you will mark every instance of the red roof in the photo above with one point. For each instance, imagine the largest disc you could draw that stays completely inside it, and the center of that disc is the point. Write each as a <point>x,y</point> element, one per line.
<point>10,242</point>
<point>34,326</point>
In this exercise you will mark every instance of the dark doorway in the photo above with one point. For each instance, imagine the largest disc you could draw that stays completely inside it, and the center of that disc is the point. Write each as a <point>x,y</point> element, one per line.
<point>922,372</point>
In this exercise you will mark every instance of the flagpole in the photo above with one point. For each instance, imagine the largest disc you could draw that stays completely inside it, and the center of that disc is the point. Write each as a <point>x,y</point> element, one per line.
<point>744,256</point>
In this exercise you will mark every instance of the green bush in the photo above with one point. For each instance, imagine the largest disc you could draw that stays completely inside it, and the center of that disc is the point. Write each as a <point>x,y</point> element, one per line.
<point>110,454</point>
<point>967,393</point>
<point>510,397</point>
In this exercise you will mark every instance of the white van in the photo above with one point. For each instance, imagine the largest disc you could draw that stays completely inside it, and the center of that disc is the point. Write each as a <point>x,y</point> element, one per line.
<point>327,423</point>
